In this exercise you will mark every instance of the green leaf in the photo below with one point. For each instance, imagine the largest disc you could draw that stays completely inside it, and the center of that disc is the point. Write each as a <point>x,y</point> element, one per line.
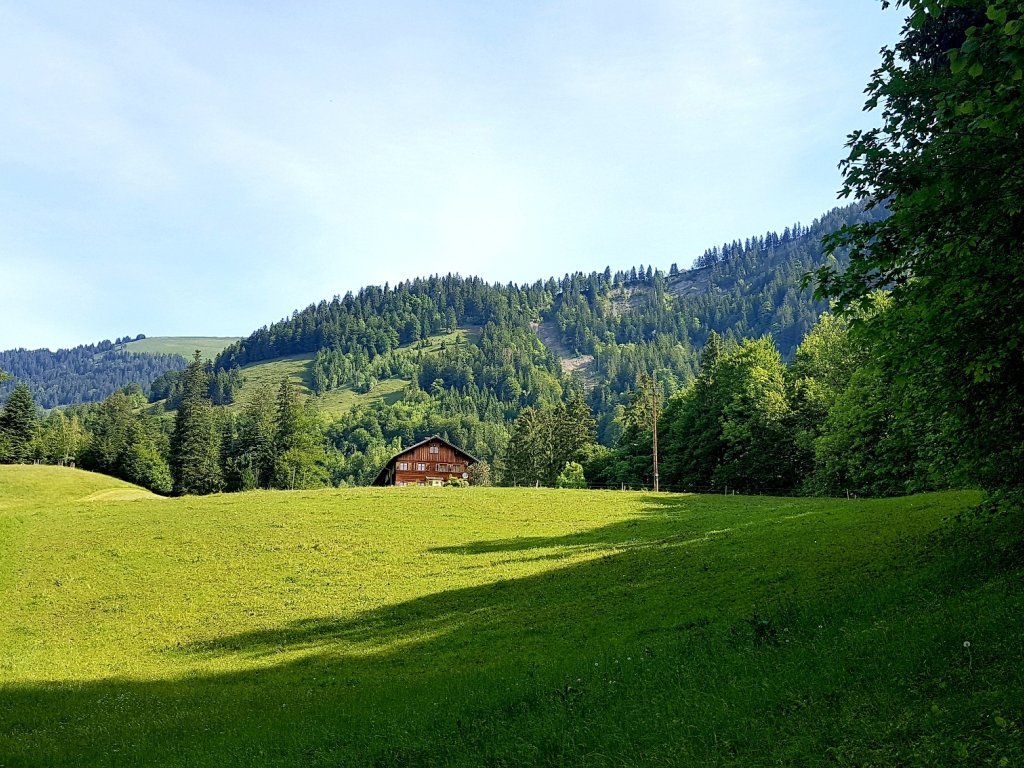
<point>998,15</point>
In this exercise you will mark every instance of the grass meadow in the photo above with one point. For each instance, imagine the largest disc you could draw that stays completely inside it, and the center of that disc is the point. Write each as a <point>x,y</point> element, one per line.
<point>501,627</point>
<point>299,370</point>
<point>336,402</point>
<point>186,346</point>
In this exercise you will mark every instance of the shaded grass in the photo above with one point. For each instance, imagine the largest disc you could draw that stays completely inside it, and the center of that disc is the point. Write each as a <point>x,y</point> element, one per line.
<point>498,627</point>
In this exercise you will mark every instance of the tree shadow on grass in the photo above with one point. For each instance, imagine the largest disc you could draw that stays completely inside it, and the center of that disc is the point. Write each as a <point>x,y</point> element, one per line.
<point>667,520</point>
<point>545,600</point>
<point>398,685</point>
<point>663,555</point>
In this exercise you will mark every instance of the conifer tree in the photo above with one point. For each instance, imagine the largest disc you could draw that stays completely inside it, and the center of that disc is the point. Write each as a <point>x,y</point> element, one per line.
<point>692,446</point>
<point>252,462</point>
<point>575,429</point>
<point>18,424</point>
<point>195,444</point>
<point>299,458</point>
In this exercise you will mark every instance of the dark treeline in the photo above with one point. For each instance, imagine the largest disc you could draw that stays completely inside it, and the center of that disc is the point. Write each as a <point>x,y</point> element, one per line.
<point>222,386</point>
<point>83,374</point>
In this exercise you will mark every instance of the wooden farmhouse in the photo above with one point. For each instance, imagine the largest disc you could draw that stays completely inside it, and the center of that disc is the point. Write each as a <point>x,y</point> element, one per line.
<point>430,462</point>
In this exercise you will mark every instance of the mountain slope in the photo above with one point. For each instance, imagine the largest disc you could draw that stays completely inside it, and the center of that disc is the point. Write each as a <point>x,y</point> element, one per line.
<point>609,327</point>
<point>606,328</point>
<point>82,374</point>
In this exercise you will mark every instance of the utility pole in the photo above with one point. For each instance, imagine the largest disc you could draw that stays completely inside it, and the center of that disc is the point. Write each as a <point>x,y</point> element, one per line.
<point>654,414</point>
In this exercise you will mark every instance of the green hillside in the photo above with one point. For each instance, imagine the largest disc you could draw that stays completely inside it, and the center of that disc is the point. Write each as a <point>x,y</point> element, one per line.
<point>498,627</point>
<point>209,346</point>
<point>338,401</point>
<point>298,369</point>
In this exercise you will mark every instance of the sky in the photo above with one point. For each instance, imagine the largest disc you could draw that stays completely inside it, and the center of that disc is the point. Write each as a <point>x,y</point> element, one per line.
<point>206,168</point>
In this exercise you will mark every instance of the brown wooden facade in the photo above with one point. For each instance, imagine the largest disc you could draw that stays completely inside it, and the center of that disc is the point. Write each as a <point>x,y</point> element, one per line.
<point>430,462</point>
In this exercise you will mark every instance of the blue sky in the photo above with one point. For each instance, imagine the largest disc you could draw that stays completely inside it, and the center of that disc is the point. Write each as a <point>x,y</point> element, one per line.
<point>205,168</point>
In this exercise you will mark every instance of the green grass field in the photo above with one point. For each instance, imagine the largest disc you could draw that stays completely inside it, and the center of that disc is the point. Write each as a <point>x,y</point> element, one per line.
<point>209,346</point>
<point>500,627</point>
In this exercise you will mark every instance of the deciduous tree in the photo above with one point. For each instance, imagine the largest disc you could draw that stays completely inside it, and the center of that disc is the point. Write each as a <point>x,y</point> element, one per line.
<point>947,162</point>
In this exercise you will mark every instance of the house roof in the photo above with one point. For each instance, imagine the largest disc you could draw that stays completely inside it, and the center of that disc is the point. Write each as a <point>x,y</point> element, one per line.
<point>384,469</point>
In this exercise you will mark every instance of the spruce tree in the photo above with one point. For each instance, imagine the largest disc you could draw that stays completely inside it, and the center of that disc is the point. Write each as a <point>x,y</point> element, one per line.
<point>18,424</point>
<point>575,430</point>
<point>256,444</point>
<point>299,460</point>
<point>195,444</point>
<point>692,444</point>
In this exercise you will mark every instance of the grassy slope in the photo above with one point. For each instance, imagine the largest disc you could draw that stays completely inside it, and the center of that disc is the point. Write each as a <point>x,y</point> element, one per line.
<point>299,368</point>
<point>496,627</point>
<point>209,346</point>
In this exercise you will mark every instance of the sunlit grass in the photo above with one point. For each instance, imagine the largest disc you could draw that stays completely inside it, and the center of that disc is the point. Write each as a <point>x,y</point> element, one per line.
<point>208,346</point>
<point>494,626</point>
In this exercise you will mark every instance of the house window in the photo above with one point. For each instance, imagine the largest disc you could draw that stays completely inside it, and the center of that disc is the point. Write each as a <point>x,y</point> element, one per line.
<point>435,449</point>
<point>403,465</point>
<point>457,468</point>
<point>421,467</point>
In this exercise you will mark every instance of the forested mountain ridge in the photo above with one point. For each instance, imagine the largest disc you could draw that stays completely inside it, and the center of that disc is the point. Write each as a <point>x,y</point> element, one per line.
<point>630,321</point>
<point>83,374</point>
<point>740,289</point>
<point>478,363</point>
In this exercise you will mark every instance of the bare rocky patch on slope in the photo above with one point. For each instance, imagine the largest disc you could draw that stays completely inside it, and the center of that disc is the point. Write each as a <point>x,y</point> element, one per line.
<point>570,362</point>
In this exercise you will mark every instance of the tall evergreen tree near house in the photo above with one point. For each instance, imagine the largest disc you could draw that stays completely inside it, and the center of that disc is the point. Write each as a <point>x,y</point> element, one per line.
<point>575,428</point>
<point>195,444</point>
<point>631,462</point>
<point>299,442</point>
<point>18,424</point>
<point>544,440</point>
<point>255,451</point>
<point>529,449</point>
